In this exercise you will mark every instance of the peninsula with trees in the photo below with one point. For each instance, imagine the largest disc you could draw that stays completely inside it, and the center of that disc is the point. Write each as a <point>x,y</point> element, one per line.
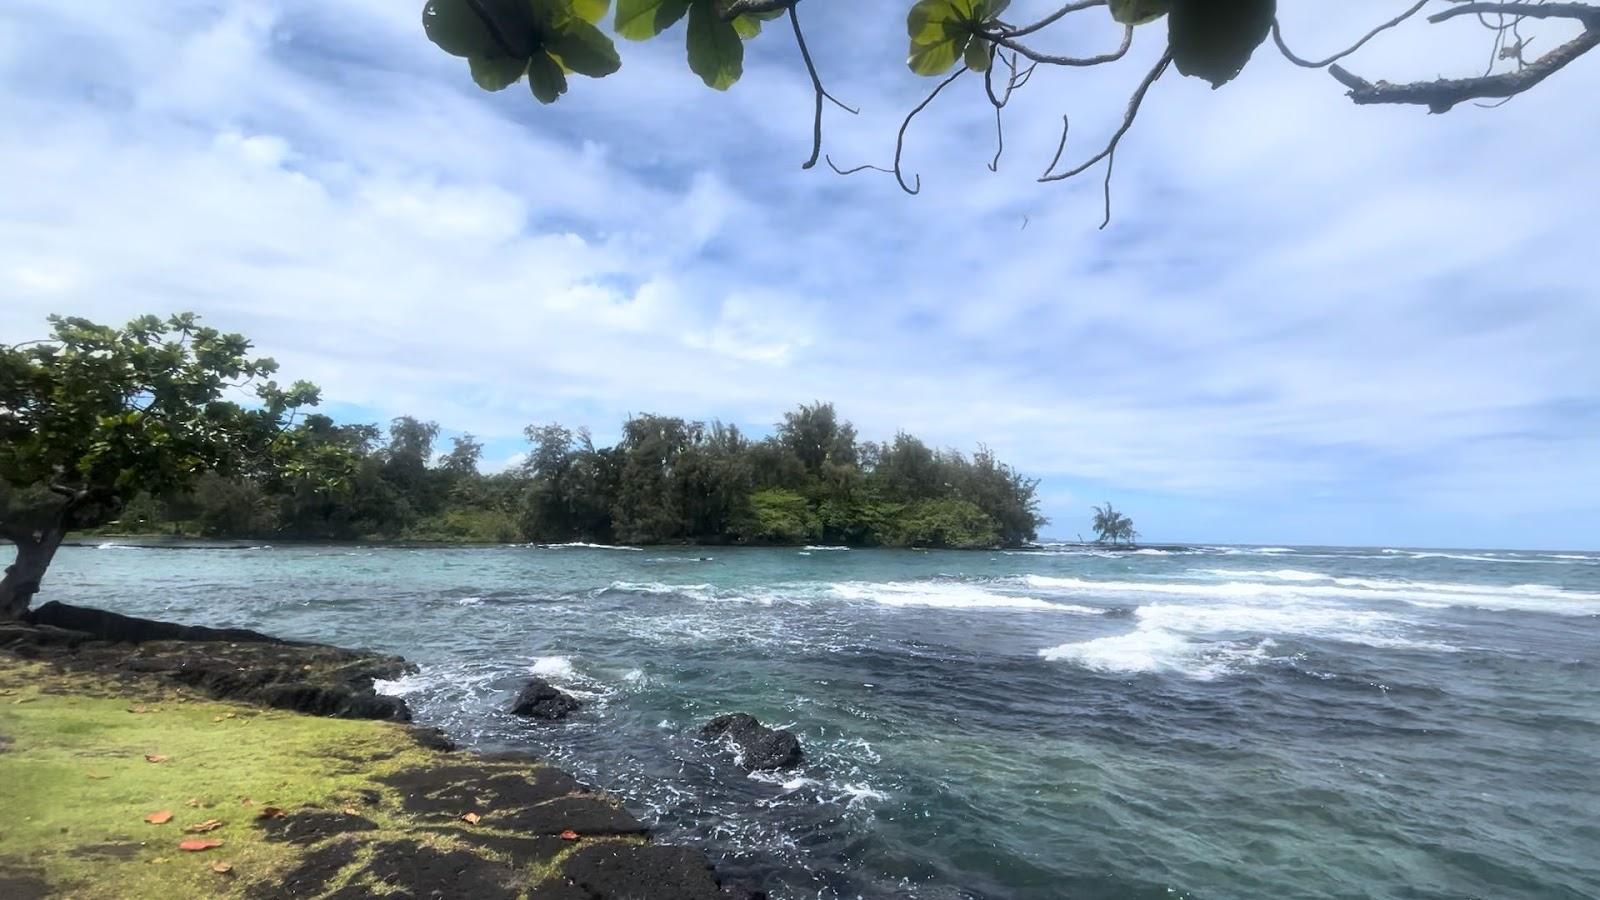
<point>167,426</point>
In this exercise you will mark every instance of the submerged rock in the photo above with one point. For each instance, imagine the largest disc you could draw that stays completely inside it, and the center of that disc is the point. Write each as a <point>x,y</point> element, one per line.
<point>759,747</point>
<point>541,700</point>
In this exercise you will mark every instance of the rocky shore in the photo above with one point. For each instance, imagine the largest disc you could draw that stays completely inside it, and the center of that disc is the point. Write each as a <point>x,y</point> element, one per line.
<point>127,745</point>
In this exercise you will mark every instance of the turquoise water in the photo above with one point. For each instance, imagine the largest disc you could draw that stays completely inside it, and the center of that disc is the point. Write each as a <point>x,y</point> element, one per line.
<point>1218,723</point>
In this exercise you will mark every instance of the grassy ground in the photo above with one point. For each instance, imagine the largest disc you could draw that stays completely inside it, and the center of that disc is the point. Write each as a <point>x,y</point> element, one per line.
<point>84,760</point>
<point>76,782</point>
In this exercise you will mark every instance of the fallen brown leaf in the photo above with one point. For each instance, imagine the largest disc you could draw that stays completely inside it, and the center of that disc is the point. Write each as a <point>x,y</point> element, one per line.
<point>155,758</point>
<point>350,811</point>
<point>159,818</point>
<point>222,868</point>
<point>472,818</point>
<point>198,844</point>
<point>203,827</point>
<point>159,861</point>
<point>569,835</point>
<point>231,716</point>
<point>270,812</point>
<point>192,803</point>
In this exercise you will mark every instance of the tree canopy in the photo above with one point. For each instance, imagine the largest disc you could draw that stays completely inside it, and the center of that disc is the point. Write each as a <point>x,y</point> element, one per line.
<point>1111,525</point>
<point>93,415</point>
<point>547,40</point>
<point>666,480</point>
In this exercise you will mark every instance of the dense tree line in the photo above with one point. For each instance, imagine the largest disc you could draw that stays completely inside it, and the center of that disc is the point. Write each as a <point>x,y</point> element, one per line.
<point>667,480</point>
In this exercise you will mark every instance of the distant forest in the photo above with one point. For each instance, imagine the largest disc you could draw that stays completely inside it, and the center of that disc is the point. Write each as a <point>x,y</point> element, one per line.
<point>667,480</point>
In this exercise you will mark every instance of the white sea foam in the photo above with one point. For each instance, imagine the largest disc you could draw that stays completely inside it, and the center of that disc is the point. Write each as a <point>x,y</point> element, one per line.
<point>1278,574</point>
<point>1207,641</point>
<point>1521,597</point>
<point>558,667</point>
<point>1155,650</point>
<point>861,793</point>
<point>582,545</point>
<point>946,595</point>
<point>820,547</point>
<point>108,545</point>
<point>470,601</point>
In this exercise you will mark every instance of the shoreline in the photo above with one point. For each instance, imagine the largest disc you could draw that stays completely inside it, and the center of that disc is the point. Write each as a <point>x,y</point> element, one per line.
<point>108,718</point>
<point>196,542</point>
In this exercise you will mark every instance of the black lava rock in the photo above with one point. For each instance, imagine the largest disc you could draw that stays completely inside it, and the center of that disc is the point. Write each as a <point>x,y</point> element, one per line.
<point>540,700</point>
<point>759,747</point>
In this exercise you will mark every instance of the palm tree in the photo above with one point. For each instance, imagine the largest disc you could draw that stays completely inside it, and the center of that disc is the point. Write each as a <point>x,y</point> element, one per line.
<point>1113,526</point>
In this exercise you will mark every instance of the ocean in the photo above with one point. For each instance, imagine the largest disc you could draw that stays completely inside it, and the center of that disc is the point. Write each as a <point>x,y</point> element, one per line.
<point>1208,722</point>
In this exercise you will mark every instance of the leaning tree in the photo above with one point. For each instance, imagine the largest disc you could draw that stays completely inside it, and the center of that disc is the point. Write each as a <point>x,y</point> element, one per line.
<point>504,41</point>
<point>93,415</point>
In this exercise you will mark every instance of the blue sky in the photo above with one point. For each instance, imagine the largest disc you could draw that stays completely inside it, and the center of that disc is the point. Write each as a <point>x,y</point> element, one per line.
<point>1308,323</point>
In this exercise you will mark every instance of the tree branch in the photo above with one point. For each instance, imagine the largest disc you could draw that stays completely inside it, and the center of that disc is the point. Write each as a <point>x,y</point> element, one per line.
<point>1277,37</point>
<point>1054,17</point>
<point>1007,42</point>
<point>816,86</point>
<point>1441,95</point>
<point>1132,113</point>
<point>1588,14</point>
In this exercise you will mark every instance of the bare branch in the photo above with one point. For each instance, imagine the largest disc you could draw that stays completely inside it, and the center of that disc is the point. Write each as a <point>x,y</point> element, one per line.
<point>1277,37</point>
<point>999,138</point>
<point>1051,60</point>
<point>1054,17</point>
<point>1132,113</point>
<point>1441,95</point>
<point>1586,13</point>
<point>817,88</point>
<point>900,141</point>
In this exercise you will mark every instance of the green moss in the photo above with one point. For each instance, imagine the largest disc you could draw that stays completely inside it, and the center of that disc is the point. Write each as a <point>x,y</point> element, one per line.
<point>75,784</point>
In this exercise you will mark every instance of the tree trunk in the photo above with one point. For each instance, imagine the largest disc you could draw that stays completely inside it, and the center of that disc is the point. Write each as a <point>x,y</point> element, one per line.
<point>21,582</point>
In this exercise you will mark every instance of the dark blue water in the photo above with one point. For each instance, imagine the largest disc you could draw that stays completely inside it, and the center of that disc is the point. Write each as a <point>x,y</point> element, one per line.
<point>1217,723</point>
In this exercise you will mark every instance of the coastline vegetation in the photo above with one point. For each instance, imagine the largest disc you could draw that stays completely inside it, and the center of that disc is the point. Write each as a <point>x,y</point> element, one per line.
<point>164,426</point>
<point>667,480</point>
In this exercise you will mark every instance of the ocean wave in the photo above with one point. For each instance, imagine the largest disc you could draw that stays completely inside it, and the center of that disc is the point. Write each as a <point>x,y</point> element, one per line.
<point>582,545</point>
<point>701,592</point>
<point>818,547</point>
<point>1206,642</point>
<point>1154,650</point>
<point>553,667</point>
<point>946,595</point>
<point>1514,598</point>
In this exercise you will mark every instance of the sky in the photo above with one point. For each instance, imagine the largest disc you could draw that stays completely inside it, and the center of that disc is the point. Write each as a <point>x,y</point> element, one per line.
<point>1307,323</point>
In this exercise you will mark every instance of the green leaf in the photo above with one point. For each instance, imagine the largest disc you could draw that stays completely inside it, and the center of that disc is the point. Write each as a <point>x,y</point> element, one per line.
<point>545,78</point>
<point>584,49</point>
<point>496,73</point>
<point>977,55</point>
<point>747,26</point>
<point>940,31</point>
<point>457,29</point>
<point>1138,12</point>
<point>716,53</point>
<point>639,20</point>
<point>591,11</point>
<point>1213,40</point>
